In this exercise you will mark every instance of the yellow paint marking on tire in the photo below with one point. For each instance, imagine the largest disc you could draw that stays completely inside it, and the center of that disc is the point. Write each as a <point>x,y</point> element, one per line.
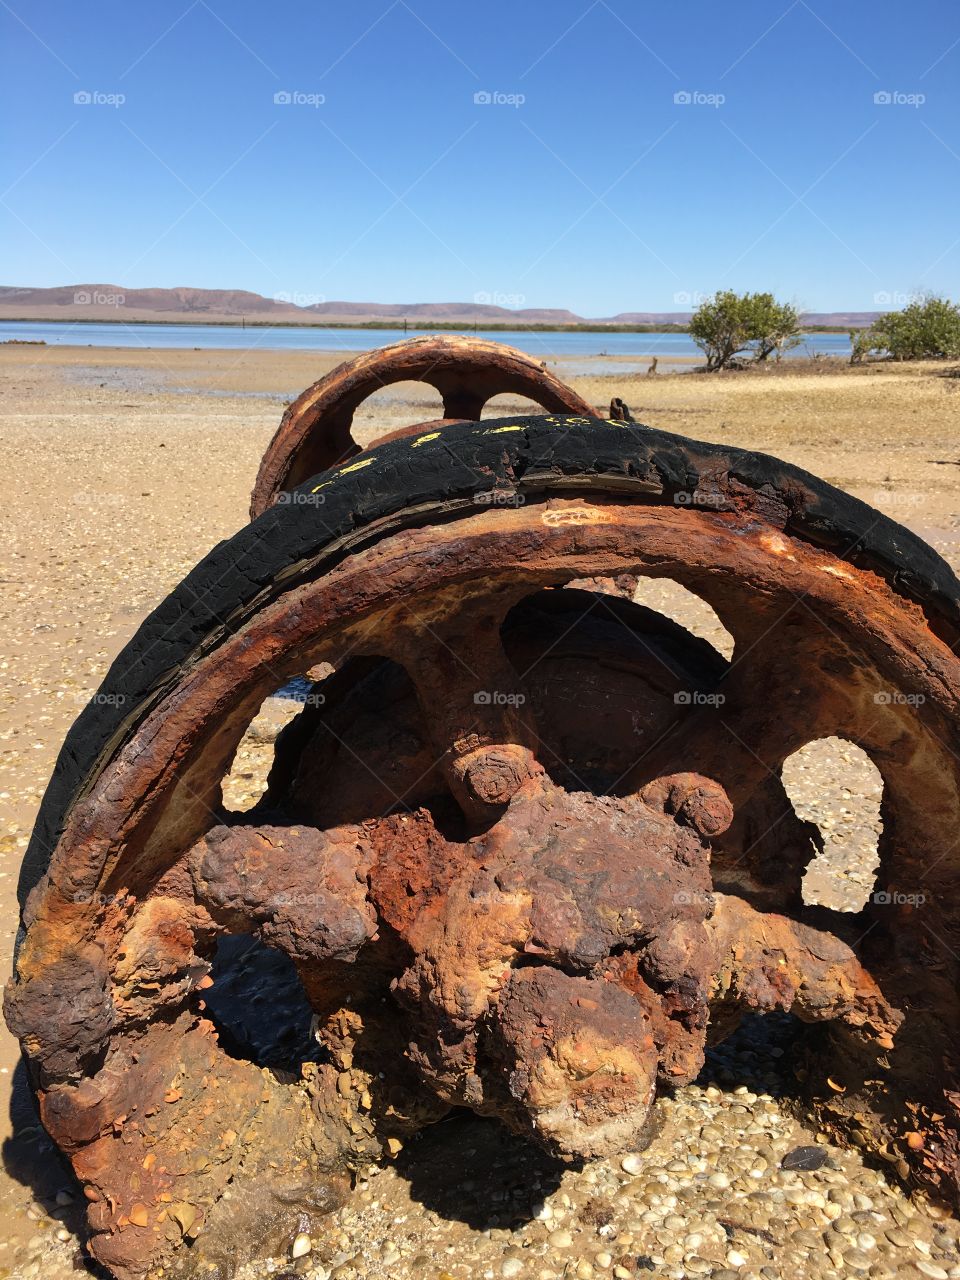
<point>498,431</point>
<point>432,435</point>
<point>354,466</point>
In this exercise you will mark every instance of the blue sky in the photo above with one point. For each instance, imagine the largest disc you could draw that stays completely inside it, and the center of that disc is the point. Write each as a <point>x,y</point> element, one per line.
<point>577,178</point>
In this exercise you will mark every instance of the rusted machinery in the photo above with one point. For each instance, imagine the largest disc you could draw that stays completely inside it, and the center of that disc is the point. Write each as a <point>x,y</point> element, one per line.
<point>527,849</point>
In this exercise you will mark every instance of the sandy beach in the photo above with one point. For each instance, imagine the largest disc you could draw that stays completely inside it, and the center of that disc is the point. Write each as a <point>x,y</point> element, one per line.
<point>122,468</point>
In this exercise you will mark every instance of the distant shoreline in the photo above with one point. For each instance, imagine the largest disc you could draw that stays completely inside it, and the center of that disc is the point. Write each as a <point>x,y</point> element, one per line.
<point>392,326</point>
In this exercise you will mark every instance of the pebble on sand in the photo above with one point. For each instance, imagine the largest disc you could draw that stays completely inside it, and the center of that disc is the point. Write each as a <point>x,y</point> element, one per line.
<point>301,1246</point>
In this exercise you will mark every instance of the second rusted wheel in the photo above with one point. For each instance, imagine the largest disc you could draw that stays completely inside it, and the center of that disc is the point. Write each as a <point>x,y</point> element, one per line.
<point>315,432</point>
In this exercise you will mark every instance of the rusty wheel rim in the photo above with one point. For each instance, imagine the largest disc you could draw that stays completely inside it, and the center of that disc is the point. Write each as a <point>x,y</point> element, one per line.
<point>315,431</point>
<point>147,870</point>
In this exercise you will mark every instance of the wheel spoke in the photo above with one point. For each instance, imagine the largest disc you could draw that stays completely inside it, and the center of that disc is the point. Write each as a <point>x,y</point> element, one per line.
<point>741,741</point>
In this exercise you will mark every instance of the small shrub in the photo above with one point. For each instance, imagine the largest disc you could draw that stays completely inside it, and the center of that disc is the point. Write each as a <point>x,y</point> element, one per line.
<point>730,324</point>
<point>925,330</point>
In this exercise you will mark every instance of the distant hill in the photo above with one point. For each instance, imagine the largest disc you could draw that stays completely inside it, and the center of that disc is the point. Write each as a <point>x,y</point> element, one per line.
<point>114,302</point>
<point>651,317</point>
<point>448,312</point>
<point>110,302</point>
<point>841,319</point>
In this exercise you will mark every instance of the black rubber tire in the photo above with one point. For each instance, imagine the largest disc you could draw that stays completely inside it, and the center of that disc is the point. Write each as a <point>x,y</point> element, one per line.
<point>531,455</point>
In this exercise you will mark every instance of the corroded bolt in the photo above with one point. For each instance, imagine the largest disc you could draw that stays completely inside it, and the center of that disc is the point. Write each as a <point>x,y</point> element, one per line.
<point>489,777</point>
<point>696,801</point>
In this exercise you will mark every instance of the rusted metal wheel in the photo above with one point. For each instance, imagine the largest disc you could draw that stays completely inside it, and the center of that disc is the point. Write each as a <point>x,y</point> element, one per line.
<point>525,848</point>
<point>315,432</point>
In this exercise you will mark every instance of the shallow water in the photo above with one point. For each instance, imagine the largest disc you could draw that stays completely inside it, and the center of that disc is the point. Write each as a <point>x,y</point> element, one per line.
<point>317,338</point>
